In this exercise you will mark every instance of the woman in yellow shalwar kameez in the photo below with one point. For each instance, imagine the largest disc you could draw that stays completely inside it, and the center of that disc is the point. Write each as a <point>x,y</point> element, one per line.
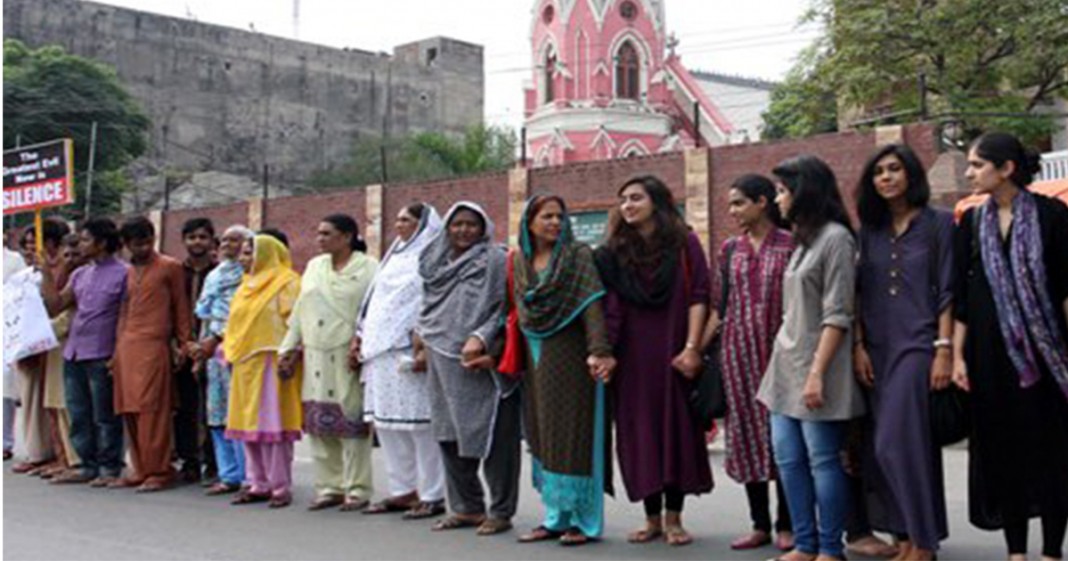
<point>264,410</point>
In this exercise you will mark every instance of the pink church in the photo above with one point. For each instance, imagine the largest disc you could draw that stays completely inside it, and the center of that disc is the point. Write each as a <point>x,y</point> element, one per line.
<point>608,84</point>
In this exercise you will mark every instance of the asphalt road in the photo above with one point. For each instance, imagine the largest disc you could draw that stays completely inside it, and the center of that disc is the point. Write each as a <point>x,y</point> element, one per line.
<point>75,522</point>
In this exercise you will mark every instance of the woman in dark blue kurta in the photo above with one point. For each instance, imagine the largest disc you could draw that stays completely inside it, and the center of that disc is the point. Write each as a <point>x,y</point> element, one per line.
<point>905,288</point>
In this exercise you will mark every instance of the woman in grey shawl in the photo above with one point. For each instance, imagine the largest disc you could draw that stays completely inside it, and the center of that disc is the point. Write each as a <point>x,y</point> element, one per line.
<point>474,409</point>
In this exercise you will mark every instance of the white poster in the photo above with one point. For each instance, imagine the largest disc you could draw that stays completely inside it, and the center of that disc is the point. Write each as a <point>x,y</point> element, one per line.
<point>27,329</point>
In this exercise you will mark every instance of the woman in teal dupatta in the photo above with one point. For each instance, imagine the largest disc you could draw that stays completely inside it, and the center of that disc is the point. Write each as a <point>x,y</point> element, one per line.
<point>557,293</point>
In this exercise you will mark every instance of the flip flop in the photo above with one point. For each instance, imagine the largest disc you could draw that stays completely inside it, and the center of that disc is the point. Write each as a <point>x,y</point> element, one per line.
<point>540,534</point>
<point>280,501</point>
<point>574,537</point>
<point>151,486</point>
<point>246,497</point>
<point>752,540</point>
<point>71,477</point>
<point>455,522</point>
<point>388,506</point>
<point>222,489</point>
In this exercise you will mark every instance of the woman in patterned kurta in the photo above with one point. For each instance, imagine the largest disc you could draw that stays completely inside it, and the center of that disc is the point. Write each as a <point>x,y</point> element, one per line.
<point>324,321</point>
<point>557,293</point>
<point>213,309</point>
<point>752,265</point>
<point>264,410</point>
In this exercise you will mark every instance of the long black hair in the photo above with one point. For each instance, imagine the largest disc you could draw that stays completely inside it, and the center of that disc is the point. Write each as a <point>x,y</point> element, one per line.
<point>754,186</point>
<point>1001,147</point>
<point>872,208</point>
<point>347,225</point>
<point>670,235</point>
<point>816,199</point>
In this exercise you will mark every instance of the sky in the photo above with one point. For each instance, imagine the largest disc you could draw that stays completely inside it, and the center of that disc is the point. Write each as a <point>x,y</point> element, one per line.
<point>752,38</point>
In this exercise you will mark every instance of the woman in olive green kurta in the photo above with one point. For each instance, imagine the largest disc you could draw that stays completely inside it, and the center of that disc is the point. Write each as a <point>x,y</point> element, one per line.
<point>557,293</point>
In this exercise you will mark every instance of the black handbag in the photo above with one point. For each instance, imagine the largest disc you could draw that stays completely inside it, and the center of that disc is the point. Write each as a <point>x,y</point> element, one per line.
<point>951,420</point>
<point>708,398</point>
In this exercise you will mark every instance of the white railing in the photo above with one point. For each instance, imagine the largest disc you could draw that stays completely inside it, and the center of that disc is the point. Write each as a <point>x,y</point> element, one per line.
<point>1055,165</point>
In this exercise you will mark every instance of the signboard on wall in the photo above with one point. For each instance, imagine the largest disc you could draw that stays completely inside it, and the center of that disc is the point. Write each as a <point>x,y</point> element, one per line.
<point>39,176</point>
<point>589,227</point>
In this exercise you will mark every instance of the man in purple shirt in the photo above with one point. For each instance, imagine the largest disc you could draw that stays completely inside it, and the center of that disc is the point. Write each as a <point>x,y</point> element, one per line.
<point>95,291</point>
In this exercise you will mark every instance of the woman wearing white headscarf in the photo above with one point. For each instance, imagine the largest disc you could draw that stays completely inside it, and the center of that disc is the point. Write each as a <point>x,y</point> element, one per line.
<point>396,398</point>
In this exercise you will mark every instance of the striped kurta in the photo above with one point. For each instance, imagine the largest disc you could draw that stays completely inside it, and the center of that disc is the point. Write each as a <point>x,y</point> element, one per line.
<point>753,316</point>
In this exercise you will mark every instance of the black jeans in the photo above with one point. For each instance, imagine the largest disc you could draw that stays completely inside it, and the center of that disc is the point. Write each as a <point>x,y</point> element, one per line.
<point>192,443</point>
<point>95,430</point>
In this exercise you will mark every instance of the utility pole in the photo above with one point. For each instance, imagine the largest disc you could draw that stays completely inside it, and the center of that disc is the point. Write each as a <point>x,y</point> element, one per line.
<point>89,175</point>
<point>923,96</point>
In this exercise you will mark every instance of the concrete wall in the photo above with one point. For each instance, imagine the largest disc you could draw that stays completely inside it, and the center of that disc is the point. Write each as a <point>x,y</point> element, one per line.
<point>232,100</point>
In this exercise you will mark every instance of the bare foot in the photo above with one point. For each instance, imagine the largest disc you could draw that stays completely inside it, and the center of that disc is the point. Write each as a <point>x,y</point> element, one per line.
<point>796,555</point>
<point>904,551</point>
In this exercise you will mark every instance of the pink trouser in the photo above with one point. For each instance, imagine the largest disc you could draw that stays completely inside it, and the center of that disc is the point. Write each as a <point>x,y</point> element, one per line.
<point>269,467</point>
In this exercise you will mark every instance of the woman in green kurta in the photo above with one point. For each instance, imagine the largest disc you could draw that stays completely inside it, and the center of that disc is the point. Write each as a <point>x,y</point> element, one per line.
<point>557,294</point>
<point>323,323</point>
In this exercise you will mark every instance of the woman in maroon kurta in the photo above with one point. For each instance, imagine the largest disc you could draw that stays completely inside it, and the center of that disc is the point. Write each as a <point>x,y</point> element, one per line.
<point>656,275</point>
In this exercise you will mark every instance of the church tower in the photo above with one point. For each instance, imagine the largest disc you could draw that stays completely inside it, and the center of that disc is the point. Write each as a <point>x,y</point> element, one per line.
<point>602,83</point>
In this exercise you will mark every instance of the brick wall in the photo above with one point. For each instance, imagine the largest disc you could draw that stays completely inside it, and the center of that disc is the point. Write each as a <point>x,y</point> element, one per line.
<point>489,190</point>
<point>299,217</point>
<point>594,185</point>
<point>222,217</point>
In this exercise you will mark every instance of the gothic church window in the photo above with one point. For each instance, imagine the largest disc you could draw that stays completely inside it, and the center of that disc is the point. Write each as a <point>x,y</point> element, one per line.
<point>628,72</point>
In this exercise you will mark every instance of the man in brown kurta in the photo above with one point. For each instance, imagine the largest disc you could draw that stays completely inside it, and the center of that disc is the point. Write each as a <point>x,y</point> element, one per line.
<point>155,314</point>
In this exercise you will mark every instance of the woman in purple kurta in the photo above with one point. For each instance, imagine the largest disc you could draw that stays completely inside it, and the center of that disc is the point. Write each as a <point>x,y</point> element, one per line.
<point>905,290</point>
<point>657,281</point>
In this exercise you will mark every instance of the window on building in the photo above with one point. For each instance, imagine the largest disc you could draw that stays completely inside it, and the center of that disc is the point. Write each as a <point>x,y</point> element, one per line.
<point>550,71</point>
<point>627,72</point>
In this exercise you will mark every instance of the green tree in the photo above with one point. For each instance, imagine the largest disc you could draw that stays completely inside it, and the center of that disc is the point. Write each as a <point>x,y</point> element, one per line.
<point>50,94</point>
<point>977,57</point>
<point>802,104</point>
<point>424,156</point>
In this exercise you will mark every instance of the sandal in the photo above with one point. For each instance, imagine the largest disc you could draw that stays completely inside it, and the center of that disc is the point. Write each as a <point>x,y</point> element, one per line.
<point>221,488</point>
<point>280,501</point>
<point>326,501</point>
<point>645,535</point>
<point>71,477</point>
<point>354,504</point>
<point>247,497</point>
<point>493,526</point>
<point>677,536</point>
<point>456,522</point>
<point>395,504</point>
<point>752,540</point>
<point>116,482</point>
<point>425,509</point>
<point>152,486</point>
<point>540,534</point>
<point>574,537</point>
<point>784,541</point>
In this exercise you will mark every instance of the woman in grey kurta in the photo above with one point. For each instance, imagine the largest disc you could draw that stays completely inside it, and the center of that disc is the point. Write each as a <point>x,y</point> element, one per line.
<point>902,348</point>
<point>809,387</point>
<point>474,409</point>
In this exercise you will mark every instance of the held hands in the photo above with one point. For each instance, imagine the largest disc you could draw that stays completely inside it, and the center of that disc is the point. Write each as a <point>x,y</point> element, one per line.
<point>688,362</point>
<point>941,369</point>
<point>287,364</point>
<point>474,357</point>
<point>862,367</point>
<point>812,394</point>
<point>354,353</point>
<point>960,375</point>
<point>601,367</point>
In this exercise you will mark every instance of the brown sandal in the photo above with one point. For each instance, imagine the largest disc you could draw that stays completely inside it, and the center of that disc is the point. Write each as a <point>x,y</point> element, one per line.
<point>645,535</point>
<point>326,501</point>
<point>540,534</point>
<point>677,536</point>
<point>425,509</point>
<point>386,506</point>
<point>221,488</point>
<point>280,501</point>
<point>456,522</point>
<point>574,537</point>
<point>354,504</point>
<point>247,497</point>
<point>493,526</point>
